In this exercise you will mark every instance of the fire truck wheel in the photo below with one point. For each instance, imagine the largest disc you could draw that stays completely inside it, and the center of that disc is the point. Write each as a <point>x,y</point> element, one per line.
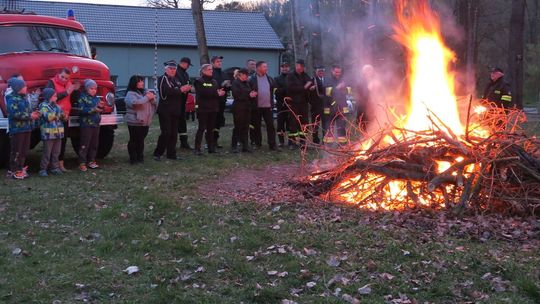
<point>4,149</point>
<point>106,141</point>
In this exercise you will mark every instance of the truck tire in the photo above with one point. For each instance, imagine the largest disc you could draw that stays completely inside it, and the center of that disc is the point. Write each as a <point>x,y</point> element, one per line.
<point>4,149</point>
<point>106,141</point>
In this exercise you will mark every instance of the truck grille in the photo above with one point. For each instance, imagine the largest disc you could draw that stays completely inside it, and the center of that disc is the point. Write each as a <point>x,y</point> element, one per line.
<point>83,73</point>
<point>89,73</point>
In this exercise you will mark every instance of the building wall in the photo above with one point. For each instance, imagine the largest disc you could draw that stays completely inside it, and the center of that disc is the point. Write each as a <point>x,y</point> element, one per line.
<point>126,60</point>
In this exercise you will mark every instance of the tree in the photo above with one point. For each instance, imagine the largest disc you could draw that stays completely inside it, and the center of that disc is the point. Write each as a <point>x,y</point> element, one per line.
<point>198,20</point>
<point>163,3</point>
<point>467,17</point>
<point>197,9</point>
<point>516,50</point>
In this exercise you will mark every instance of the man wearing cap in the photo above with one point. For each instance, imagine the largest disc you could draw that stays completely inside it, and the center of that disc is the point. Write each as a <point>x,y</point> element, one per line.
<point>498,90</point>
<point>244,102</point>
<point>225,84</point>
<point>298,87</point>
<point>282,109</point>
<point>316,102</point>
<point>183,77</point>
<point>169,111</point>
<point>264,86</point>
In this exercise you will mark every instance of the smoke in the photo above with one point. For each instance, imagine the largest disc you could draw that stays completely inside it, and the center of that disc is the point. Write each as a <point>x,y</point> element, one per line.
<point>361,40</point>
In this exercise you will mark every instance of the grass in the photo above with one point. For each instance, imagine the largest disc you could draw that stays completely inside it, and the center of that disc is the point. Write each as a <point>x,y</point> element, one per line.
<point>78,232</point>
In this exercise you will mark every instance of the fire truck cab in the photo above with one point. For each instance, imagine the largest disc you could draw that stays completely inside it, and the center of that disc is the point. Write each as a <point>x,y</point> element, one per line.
<point>38,47</point>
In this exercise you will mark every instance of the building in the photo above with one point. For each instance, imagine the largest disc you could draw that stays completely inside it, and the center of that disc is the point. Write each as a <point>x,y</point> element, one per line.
<point>137,40</point>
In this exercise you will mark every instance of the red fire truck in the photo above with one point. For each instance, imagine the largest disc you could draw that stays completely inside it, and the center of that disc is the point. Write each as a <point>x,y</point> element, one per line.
<point>38,47</point>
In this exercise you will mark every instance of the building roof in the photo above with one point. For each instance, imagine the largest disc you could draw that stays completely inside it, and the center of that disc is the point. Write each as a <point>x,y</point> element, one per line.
<point>175,27</point>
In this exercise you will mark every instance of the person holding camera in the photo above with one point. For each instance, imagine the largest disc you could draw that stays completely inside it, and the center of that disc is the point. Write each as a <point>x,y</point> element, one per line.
<point>140,107</point>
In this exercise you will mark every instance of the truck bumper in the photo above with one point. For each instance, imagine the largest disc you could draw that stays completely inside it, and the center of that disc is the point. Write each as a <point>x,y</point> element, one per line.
<point>106,120</point>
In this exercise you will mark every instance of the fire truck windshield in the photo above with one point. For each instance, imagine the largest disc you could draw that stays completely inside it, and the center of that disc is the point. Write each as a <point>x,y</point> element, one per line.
<point>31,38</point>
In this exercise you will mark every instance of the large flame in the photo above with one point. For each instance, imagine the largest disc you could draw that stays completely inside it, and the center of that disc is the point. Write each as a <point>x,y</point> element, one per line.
<point>430,80</point>
<point>432,101</point>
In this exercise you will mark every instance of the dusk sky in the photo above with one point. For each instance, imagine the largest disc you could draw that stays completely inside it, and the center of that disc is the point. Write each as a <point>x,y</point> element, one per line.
<point>136,2</point>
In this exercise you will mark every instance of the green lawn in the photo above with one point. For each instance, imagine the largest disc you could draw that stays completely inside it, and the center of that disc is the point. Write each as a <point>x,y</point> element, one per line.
<point>78,232</point>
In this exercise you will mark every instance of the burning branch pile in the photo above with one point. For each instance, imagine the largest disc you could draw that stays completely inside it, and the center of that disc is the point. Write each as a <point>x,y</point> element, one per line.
<point>399,169</point>
<point>429,158</point>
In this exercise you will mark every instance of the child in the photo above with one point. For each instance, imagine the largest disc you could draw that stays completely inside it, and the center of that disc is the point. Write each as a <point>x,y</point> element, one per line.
<point>52,132</point>
<point>20,119</point>
<point>190,107</point>
<point>89,119</point>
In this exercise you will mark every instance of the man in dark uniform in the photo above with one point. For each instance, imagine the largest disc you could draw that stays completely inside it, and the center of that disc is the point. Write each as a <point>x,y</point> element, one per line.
<point>316,103</point>
<point>336,107</point>
<point>282,109</point>
<point>225,84</point>
<point>169,111</point>
<point>498,90</point>
<point>298,88</point>
<point>183,76</point>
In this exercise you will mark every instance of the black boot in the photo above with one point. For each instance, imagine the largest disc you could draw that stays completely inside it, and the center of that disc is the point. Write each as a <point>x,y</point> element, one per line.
<point>184,144</point>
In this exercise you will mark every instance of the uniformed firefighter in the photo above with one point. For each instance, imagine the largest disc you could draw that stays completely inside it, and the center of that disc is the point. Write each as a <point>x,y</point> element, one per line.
<point>185,88</point>
<point>298,88</point>
<point>244,102</point>
<point>498,91</point>
<point>317,103</point>
<point>282,109</point>
<point>169,111</point>
<point>207,98</point>
<point>336,107</point>
<point>224,83</point>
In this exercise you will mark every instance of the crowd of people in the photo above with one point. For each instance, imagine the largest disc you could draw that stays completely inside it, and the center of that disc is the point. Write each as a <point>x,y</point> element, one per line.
<point>317,105</point>
<point>298,98</point>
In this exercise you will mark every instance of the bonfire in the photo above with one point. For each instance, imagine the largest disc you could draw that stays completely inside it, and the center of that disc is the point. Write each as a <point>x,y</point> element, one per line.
<point>434,156</point>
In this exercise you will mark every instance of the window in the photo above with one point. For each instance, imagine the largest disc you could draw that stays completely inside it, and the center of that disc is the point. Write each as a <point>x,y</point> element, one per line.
<point>32,38</point>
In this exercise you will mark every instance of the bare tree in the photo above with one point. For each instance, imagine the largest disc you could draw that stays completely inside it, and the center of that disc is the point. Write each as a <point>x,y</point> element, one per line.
<point>516,47</point>
<point>163,3</point>
<point>198,20</point>
<point>197,9</point>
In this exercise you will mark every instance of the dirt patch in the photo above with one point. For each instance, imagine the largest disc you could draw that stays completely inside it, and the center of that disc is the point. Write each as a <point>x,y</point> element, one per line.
<point>265,186</point>
<point>272,185</point>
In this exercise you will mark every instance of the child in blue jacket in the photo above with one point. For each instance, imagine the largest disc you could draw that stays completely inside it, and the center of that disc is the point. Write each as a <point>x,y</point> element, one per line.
<point>89,120</point>
<point>20,119</point>
<point>52,132</point>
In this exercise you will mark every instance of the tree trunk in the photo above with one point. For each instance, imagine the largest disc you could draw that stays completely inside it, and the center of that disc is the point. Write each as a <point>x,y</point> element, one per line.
<point>299,42</point>
<point>467,17</point>
<point>516,51</point>
<point>197,10</point>
<point>316,39</point>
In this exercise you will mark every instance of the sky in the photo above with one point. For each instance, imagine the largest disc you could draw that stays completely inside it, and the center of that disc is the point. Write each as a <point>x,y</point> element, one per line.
<point>138,2</point>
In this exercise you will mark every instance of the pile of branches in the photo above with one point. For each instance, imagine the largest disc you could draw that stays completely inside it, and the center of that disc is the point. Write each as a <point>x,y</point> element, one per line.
<point>499,172</point>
